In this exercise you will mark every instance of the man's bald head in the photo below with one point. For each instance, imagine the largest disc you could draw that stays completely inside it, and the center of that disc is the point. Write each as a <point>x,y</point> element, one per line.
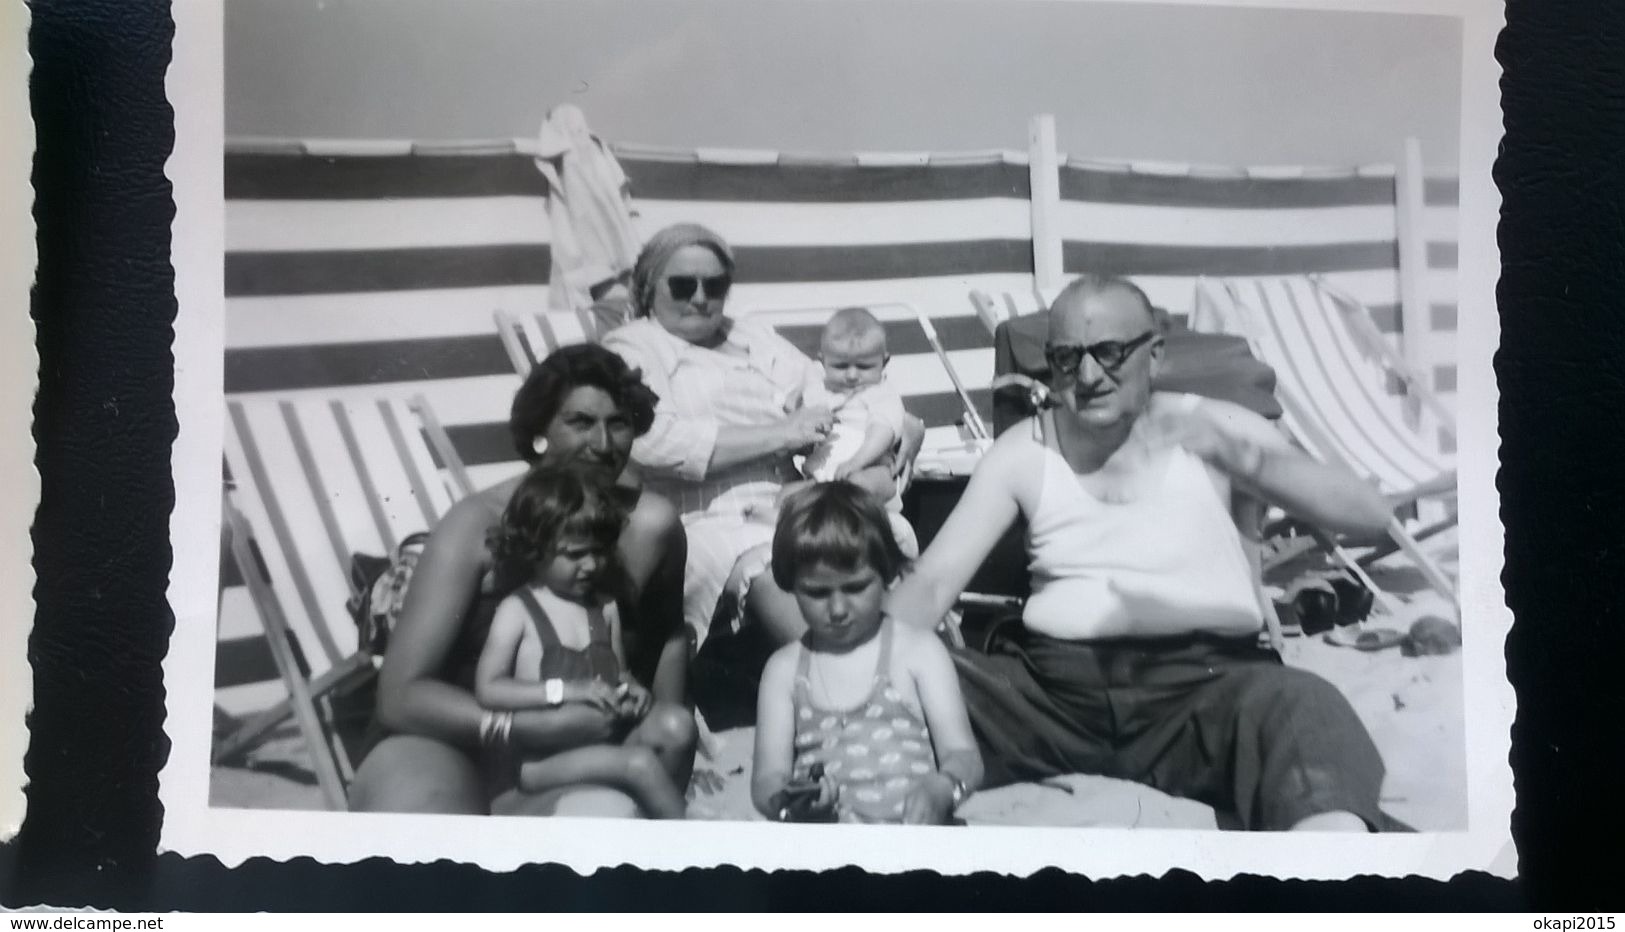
<point>1078,297</point>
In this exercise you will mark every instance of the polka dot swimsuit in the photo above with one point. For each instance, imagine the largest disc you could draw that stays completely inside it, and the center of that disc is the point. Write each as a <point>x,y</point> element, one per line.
<point>874,752</point>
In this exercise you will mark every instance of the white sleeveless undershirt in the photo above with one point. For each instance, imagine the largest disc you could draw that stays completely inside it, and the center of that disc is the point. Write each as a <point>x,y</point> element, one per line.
<point>1169,562</point>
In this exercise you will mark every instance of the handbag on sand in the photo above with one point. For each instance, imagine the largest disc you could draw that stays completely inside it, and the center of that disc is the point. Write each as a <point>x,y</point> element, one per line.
<point>380,591</point>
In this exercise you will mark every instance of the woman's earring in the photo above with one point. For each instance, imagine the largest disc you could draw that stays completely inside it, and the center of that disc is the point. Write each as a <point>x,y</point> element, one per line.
<point>539,445</point>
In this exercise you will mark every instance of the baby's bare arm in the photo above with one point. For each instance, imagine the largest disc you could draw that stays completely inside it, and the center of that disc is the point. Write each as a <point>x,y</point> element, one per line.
<point>878,439</point>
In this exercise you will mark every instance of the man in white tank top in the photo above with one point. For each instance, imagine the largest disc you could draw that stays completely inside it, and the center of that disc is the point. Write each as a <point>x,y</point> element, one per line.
<point>1138,655</point>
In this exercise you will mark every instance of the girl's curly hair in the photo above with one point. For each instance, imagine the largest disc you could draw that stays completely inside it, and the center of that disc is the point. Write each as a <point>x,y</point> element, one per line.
<point>550,505</point>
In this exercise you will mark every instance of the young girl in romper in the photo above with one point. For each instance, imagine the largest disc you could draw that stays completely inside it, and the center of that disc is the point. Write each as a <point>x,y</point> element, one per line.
<point>862,719</point>
<point>556,639</point>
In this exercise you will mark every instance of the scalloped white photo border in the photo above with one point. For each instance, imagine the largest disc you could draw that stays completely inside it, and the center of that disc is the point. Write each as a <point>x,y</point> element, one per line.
<point>191,827</point>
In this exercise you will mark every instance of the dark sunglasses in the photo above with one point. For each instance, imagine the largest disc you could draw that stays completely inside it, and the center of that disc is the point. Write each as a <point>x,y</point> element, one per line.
<point>1065,358</point>
<point>682,287</point>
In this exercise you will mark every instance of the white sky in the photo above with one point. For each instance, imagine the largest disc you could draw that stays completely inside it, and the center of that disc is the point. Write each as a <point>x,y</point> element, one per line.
<point>1130,81</point>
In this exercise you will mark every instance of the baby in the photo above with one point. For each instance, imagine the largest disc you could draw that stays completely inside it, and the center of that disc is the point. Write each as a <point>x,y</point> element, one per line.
<point>862,719</point>
<point>556,640</point>
<point>850,382</point>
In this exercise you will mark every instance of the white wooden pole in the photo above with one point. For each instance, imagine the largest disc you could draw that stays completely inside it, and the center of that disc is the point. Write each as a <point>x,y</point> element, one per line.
<point>1413,256</point>
<point>1045,173</point>
<point>1414,310</point>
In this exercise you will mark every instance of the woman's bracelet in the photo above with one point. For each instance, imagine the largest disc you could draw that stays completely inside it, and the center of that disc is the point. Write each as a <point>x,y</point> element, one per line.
<point>504,736</point>
<point>496,729</point>
<point>488,724</point>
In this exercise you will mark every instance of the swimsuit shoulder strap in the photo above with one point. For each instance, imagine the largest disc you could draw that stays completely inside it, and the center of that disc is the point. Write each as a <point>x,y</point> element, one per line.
<point>539,620</point>
<point>597,625</point>
<point>803,666</point>
<point>883,662</point>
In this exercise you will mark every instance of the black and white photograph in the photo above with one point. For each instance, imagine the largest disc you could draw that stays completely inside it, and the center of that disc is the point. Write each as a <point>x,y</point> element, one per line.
<point>963,434</point>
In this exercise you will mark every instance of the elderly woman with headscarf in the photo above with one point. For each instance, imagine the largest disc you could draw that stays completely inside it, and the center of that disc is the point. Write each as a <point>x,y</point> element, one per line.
<point>725,428</point>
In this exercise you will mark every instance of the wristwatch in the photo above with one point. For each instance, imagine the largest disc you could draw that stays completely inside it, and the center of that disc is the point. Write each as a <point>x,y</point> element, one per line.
<point>553,691</point>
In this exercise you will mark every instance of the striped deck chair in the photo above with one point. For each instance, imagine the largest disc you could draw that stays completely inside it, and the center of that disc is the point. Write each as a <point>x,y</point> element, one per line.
<point>315,481</point>
<point>530,338</point>
<point>1336,375</point>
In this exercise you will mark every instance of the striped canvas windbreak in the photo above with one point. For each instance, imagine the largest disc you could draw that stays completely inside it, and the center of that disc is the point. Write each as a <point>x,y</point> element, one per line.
<point>381,272</point>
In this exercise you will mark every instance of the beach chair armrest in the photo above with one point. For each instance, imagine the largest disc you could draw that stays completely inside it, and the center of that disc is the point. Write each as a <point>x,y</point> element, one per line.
<point>1442,486</point>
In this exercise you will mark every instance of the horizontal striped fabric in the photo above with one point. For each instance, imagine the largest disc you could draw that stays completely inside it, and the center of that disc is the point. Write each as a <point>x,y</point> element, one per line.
<point>382,271</point>
<point>351,276</point>
<point>1335,393</point>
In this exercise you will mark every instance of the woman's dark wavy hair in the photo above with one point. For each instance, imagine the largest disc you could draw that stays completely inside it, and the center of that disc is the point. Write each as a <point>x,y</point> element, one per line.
<point>564,370</point>
<point>839,525</point>
<point>549,505</point>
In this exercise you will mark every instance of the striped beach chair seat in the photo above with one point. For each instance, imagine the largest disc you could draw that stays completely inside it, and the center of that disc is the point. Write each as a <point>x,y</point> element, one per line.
<point>1347,395</point>
<point>315,480</point>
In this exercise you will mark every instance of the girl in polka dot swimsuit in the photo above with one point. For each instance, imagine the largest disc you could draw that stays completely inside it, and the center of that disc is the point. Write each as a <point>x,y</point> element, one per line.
<point>861,719</point>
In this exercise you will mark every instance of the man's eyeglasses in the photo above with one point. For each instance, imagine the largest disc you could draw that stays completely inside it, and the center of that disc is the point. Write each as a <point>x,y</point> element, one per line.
<point>1112,355</point>
<point>682,287</point>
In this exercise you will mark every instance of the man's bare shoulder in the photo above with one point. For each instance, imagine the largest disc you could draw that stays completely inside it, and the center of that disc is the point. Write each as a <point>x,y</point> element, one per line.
<point>1014,449</point>
<point>1014,462</point>
<point>1173,411</point>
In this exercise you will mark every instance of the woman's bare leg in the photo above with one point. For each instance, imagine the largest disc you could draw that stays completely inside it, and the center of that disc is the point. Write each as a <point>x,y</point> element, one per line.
<point>1331,822</point>
<point>410,773</point>
<point>669,731</point>
<point>583,799</point>
<point>635,769</point>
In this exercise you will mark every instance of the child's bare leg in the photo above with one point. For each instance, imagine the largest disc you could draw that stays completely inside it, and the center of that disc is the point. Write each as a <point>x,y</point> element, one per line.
<point>634,769</point>
<point>669,731</point>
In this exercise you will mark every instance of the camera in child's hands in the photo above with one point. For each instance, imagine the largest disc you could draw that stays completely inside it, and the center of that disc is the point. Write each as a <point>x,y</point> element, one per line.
<point>806,800</point>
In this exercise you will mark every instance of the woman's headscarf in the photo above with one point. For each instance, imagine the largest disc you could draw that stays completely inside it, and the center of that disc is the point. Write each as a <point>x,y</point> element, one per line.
<point>659,250</point>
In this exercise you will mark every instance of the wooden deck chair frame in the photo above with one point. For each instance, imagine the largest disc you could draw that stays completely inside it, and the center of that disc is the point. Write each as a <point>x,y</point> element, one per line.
<point>1399,539</point>
<point>530,338</point>
<point>306,694</point>
<point>991,313</point>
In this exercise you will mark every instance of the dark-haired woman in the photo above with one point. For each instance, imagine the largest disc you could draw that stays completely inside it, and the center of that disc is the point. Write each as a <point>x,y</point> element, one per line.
<point>581,408</point>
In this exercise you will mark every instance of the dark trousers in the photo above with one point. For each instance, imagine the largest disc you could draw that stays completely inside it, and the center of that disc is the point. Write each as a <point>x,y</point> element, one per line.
<point>1216,720</point>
